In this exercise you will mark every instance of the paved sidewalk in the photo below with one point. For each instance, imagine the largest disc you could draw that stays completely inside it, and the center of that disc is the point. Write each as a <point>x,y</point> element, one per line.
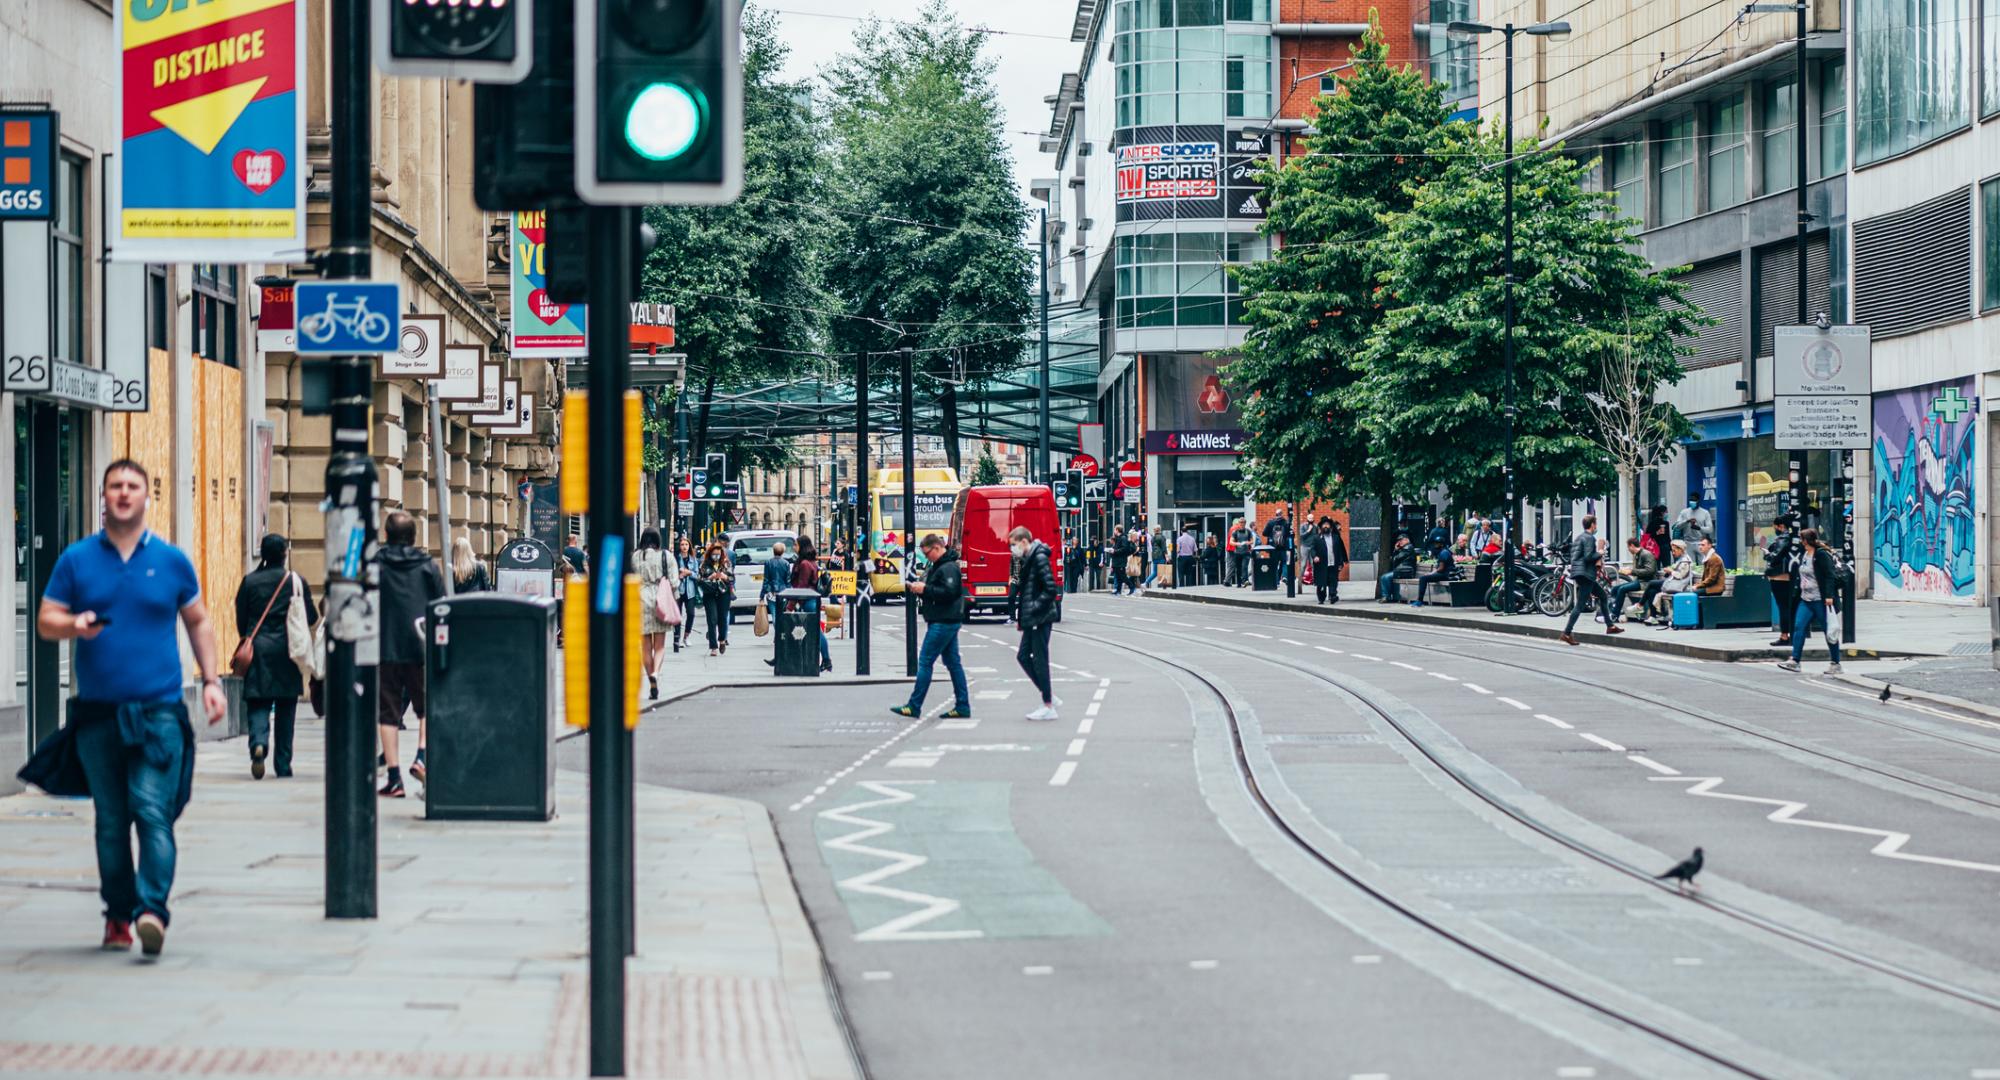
<point>1884,629</point>
<point>691,670</point>
<point>476,967</point>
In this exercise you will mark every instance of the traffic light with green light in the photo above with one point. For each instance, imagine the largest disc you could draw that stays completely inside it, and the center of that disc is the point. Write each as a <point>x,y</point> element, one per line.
<point>1074,500</point>
<point>659,102</point>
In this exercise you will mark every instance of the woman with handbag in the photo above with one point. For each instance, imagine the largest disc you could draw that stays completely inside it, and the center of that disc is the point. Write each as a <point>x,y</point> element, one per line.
<point>658,611</point>
<point>718,587</point>
<point>272,605</point>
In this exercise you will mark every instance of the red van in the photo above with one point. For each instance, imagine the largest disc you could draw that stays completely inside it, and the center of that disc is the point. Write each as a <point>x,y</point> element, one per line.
<point>980,522</point>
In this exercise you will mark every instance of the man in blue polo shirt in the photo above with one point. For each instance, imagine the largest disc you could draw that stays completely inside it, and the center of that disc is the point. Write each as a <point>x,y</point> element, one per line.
<point>117,594</point>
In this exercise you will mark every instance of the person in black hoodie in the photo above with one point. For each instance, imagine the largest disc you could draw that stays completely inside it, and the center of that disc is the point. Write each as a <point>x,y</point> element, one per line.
<point>272,686</point>
<point>941,596</point>
<point>1036,604</point>
<point>410,580</point>
<point>1121,550</point>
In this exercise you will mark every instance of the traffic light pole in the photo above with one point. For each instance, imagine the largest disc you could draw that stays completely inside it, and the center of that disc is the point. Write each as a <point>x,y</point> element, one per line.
<point>353,631</point>
<point>611,251</point>
<point>909,412</point>
<point>861,508</point>
<point>1042,453</point>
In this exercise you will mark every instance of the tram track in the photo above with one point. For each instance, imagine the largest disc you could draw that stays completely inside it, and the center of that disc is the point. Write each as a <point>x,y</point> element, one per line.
<point>1896,774</point>
<point>1521,816</point>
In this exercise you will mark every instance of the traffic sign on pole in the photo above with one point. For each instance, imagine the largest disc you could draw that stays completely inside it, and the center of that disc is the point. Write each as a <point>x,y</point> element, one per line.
<point>1132,474</point>
<point>1084,464</point>
<point>348,318</point>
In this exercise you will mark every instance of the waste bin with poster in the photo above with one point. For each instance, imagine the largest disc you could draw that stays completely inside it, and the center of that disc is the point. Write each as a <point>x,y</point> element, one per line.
<point>1263,568</point>
<point>491,661</point>
<point>797,622</point>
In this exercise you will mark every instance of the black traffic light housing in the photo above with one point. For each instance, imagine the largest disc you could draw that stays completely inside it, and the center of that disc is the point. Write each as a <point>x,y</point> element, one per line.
<point>659,102</point>
<point>524,136</point>
<point>1075,481</point>
<point>490,41</point>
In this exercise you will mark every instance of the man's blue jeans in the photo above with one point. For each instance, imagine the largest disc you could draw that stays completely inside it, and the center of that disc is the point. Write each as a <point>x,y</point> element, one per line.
<point>940,641</point>
<point>129,792</point>
<point>1385,587</point>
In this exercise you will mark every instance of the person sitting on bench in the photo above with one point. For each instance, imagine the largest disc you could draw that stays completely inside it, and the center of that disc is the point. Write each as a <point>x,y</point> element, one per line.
<point>1447,570</point>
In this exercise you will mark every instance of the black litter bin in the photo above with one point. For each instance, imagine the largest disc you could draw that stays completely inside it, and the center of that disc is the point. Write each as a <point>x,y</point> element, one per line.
<point>491,662</point>
<point>798,633</point>
<point>1264,568</point>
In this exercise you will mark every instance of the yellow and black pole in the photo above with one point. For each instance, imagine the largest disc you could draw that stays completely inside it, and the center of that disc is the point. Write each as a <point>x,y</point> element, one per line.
<point>600,478</point>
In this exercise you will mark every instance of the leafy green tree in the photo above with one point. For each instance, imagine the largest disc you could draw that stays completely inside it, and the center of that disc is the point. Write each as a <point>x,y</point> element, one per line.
<point>746,278</point>
<point>985,470</point>
<point>1312,306</point>
<point>929,253</point>
<point>1435,380</point>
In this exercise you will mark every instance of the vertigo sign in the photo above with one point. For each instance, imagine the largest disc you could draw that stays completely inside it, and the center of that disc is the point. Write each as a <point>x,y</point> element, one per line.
<point>213,136</point>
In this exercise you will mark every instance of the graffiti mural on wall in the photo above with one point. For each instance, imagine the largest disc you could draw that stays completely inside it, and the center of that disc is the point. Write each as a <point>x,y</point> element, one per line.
<point>1923,515</point>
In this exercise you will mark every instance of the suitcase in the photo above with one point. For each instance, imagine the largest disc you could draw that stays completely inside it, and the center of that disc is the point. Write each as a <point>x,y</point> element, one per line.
<point>1687,611</point>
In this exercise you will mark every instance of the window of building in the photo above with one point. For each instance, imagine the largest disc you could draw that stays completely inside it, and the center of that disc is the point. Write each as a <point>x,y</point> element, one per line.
<point>1164,279</point>
<point>1677,170</point>
<point>1728,154</point>
<point>71,213</point>
<point>1989,236</point>
<point>215,313</point>
<point>1626,166</point>
<point>1329,84</point>
<point>1171,64</point>
<point>156,307</point>
<point>1832,118</point>
<point>1454,62</point>
<point>1911,73</point>
<point>1778,106</point>
<point>1989,68</point>
<point>1248,74</point>
<point>1248,10</point>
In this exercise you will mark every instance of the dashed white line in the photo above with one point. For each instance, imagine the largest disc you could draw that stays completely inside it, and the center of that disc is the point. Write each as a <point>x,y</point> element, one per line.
<point>1091,709</point>
<point>1476,688</point>
<point>1521,705</point>
<point>1687,961</point>
<point>1099,695</point>
<point>1063,772</point>
<point>1037,969</point>
<point>1365,656</point>
<point>1577,1072</point>
<point>1076,746</point>
<point>1605,743</point>
<point>1442,675</point>
<point>1142,618</point>
<point>1189,625</point>
<point>1367,1076</point>
<point>1289,641</point>
<point>1552,720</point>
<point>1109,615</point>
<point>1255,634</point>
<point>1202,965</point>
<point>877,976</point>
<point>1088,723</point>
<point>1219,629</point>
<point>1324,649</point>
<point>1986,1074</point>
<point>1407,667</point>
<point>1642,759</point>
<point>1367,958</point>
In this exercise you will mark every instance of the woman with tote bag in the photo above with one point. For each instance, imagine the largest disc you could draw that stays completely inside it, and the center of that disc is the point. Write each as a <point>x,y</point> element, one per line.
<point>269,602</point>
<point>657,609</point>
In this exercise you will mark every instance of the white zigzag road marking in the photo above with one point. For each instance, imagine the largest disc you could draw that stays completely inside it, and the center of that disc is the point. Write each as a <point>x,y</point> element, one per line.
<point>902,927</point>
<point>1787,813</point>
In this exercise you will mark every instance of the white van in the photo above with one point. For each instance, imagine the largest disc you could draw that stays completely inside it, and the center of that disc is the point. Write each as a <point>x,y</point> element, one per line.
<point>748,548</point>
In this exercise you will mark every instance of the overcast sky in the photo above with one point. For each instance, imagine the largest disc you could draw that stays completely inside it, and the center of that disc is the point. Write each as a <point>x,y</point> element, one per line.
<point>1029,67</point>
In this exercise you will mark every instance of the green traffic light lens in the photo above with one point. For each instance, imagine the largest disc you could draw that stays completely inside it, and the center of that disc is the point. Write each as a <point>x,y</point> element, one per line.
<point>662,122</point>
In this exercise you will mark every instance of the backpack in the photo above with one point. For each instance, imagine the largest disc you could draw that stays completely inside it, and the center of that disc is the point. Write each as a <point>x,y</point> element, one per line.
<point>1649,545</point>
<point>1841,571</point>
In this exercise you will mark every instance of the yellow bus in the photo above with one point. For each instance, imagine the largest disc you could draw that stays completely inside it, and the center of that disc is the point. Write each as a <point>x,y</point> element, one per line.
<point>888,531</point>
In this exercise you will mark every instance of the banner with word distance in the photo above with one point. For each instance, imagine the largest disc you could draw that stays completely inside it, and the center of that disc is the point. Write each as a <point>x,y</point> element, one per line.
<point>212,151</point>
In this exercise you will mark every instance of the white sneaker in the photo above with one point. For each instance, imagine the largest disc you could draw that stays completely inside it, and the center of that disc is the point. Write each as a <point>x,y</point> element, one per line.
<point>1043,713</point>
<point>1787,665</point>
<point>1055,701</point>
<point>1833,669</point>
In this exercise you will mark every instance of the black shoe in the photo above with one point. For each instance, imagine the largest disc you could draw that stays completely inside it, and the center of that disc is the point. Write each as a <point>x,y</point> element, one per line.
<point>904,710</point>
<point>957,713</point>
<point>283,774</point>
<point>257,763</point>
<point>392,790</point>
<point>656,689</point>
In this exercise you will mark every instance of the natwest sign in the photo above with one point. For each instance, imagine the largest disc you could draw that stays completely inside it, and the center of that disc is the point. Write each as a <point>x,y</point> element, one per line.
<point>1220,441</point>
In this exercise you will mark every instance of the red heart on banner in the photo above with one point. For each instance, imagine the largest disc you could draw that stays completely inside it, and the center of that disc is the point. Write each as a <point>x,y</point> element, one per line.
<point>544,308</point>
<point>258,169</point>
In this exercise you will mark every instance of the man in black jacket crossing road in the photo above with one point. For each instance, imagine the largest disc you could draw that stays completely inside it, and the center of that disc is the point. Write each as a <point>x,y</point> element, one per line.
<point>942,604</point>
<point>1035,601</point>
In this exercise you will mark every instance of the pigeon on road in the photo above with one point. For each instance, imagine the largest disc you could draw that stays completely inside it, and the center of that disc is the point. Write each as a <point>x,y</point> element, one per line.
<point>1683,873</point>
<point>1885,692</point>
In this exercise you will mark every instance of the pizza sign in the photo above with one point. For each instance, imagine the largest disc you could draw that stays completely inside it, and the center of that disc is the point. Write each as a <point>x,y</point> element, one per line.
<point>1173,170</point>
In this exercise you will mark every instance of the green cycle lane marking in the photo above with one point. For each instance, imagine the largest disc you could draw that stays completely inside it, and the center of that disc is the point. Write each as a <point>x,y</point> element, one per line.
<point>916,860</point>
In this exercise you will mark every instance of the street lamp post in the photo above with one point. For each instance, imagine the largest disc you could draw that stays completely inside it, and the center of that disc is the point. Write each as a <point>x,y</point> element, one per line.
<point>1507,32</point>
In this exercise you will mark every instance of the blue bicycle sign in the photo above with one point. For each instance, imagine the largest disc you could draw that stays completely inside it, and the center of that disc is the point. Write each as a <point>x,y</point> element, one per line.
<point>348,317</point>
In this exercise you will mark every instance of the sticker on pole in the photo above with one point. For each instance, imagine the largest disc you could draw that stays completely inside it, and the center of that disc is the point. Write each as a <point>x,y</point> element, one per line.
<point>348,318</point>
